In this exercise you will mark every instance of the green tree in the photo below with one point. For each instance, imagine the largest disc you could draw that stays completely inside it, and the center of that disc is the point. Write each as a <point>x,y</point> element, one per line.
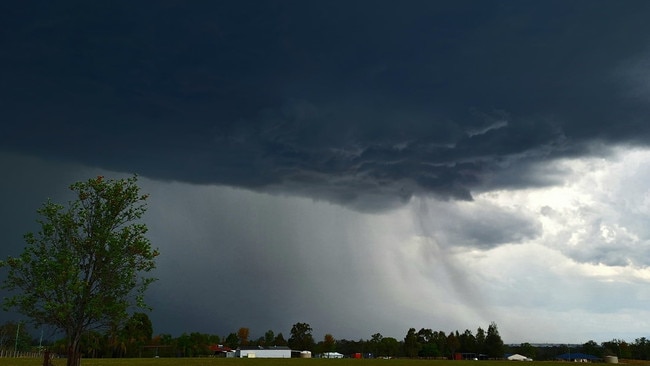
<point>493,342</point>
<point>199,344</point>
<point>301,337</point>
<point>92,343</point>
<point>440,340</point>
<point>592,348</point>
<point>232,341</point>
<point>137,332</point>
<point>375,343</point>
<point>617,347</point>
<point>279,340</point>
<point>14,336</point>
<point>85,266</point>
<point>425,335</point>
<point>269,336</point>
<point>411,344</point>
<point>467,342</point>
<point>389,346</point>
<point>184,345</point>
<point>480,341</point>
<point>453,343</point>
<point>527,350</point>
<point>640,349</point>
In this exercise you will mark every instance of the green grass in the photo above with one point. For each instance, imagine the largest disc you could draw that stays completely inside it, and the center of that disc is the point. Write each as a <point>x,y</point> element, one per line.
<point>265,362</point>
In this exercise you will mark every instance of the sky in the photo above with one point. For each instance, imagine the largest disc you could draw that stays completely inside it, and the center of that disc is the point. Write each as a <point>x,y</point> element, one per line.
<point>361,166</point>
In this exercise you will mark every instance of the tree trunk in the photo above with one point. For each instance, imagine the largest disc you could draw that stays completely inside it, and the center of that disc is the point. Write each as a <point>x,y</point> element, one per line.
<point>74,357</point>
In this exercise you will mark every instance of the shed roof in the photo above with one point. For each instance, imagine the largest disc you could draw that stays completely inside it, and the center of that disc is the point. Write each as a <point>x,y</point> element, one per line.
<point>577,356</point>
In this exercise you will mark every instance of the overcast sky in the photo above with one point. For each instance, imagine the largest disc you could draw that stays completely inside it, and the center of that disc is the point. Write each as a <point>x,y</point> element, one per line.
<point>361,166</point>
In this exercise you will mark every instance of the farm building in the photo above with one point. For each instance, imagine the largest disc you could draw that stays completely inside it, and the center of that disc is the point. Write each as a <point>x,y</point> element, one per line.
<point>220,350</point>
<point>261,352</point>
<point>470,356</point>
<point>577,357</point>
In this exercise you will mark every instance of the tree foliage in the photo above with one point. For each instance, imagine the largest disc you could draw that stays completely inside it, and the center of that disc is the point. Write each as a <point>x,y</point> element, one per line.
<point>329,343</point>
<point>84,268</point>
<point>14,336</point>
<point>411,344</point>
<point>493,343</point>
<point>301,337</point>
<point>279,340</point>
<point>269,336</point>
<point>242,335</point>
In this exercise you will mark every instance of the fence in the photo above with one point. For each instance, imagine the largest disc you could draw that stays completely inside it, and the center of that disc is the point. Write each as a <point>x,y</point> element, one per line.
<point>16,354</point>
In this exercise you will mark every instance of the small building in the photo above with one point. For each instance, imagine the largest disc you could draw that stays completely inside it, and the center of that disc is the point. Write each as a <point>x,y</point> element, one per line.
<point>577,357</point>
<point>518,357</point>
<point>331,355</point>
<point>469,356</point>
<point>219,350</point>
<point>261,352</point>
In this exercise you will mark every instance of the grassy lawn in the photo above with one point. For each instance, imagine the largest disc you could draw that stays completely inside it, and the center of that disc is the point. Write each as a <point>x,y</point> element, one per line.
<point>262,362</point>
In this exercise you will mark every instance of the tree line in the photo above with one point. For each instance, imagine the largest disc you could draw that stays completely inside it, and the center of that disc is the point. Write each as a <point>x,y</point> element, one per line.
<point>136,339</point>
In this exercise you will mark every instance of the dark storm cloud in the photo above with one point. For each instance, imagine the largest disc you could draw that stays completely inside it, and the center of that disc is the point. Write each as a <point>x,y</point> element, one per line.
<point>363,104</point>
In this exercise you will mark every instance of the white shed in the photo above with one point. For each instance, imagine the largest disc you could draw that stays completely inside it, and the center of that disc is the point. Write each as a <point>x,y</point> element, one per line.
<point>260,352</point>
<point>331,355</point>
<point>518,357</point>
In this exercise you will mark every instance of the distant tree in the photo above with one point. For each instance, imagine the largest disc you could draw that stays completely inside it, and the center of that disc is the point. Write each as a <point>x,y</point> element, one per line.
<point>453,344</point>
<point>137,332</point>
<point>411,344</point>
<point>232,341</point>
<point>83,269</point>
<point>617,347</point>
<point>259,342</point>
<point>301,337</point>
<point>428,350</point>
<point>375,343</point>
<point>640,349</point>
<point>347,347</point>
<point>184,345</point>
<point>329,343</point>
<point>242,335</point>
<point>592,348</point>
<point>269,336</point>
<point>165,341</point>
<point>389,347</point>
<point>467,342</point>
<point>526,349</point>
<point>279,340</point>
<point>440,340</point>
<point>626,351</point>
<point>200,343</point>
<point>93,344</point>
<point>14,335</point>
<point>493,342</point>
<point>480,341</point>
<point>425,335</point>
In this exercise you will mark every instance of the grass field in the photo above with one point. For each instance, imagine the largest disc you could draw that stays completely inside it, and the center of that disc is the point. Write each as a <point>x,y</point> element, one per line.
<point>268,362</point>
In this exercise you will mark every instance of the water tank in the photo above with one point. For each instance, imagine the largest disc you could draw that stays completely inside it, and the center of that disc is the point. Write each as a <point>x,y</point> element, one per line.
<point>305,354</point>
